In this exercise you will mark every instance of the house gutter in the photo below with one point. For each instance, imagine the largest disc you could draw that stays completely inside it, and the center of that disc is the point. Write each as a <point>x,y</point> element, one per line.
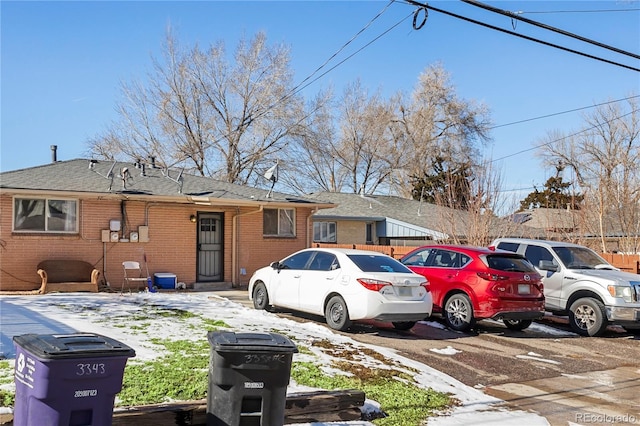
<point>234,242</point>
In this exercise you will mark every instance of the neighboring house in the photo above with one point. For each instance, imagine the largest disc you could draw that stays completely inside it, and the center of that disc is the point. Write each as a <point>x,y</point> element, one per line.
<point>200,229</point>
<point>552,220</point>
<point>584,227</point>
<point>390,220</point>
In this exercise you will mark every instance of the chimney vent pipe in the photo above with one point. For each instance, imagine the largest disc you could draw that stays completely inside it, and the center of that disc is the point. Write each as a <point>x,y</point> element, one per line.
<point>54,153</point>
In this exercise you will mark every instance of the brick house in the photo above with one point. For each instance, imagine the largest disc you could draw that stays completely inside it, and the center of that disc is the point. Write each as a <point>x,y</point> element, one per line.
<point>105,213</point>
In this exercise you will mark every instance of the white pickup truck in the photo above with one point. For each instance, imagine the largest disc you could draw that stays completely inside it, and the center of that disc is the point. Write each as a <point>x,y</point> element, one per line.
<point>580,283</point>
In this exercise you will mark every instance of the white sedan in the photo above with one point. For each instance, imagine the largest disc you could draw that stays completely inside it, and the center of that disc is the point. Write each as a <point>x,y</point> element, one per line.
<point>343,285</point>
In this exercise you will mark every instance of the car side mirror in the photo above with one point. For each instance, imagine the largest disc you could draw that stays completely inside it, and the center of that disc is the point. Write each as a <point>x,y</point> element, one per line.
<point>547,265</point>
<point>276,265</point>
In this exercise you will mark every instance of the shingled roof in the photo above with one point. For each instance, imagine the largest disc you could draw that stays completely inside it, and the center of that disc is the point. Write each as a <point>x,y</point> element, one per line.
<point>426,218</point>
<point>90,177</point>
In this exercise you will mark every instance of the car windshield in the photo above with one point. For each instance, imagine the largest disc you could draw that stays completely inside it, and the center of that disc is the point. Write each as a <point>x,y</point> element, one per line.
<point>375,263</point>
<point>579,257</point>
<point>510,263</point>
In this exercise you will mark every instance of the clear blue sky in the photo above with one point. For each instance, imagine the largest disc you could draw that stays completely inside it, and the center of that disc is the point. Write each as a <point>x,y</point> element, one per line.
<point>62,62</point>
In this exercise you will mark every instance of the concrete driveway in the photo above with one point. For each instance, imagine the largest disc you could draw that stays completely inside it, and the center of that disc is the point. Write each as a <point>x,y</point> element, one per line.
<point>568,379</point>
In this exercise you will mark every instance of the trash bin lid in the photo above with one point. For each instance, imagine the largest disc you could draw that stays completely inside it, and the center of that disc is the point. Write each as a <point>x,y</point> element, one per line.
<point>80,345</point>
<point>228,341</point>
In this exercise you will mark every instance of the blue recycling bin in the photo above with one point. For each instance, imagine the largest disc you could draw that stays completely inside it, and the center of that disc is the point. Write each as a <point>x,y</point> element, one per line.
<point>67,380</point>
<point>248,378</point>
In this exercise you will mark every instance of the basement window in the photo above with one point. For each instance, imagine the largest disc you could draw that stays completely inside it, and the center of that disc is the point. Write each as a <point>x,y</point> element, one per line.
<point>278,223</point>
<point>45,215</point>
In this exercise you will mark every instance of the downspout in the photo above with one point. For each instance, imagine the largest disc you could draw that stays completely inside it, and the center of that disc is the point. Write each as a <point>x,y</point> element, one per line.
<point>309,222</point>
<point>234,242</point>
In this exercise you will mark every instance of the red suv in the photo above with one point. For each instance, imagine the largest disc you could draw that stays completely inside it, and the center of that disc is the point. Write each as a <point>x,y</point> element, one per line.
<point>474,283</point>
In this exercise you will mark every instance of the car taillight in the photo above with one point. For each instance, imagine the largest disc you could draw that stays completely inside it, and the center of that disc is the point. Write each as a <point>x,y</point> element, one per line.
<point>492,277</point>
<point>425,285</point>
<point>373,285</point>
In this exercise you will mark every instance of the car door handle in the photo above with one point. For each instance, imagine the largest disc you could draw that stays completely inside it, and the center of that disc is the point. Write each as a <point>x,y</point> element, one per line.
<point>297,276</point>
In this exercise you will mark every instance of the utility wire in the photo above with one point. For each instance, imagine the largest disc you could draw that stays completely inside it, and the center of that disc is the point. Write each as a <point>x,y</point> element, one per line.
<point>577,11</point>
<point>513,15</point>
<point>566,49</point>
<point>302,86</point>
<point>563,112</point>
<point>552,142</point>
<point>562,138</point>
<point>346,44</point>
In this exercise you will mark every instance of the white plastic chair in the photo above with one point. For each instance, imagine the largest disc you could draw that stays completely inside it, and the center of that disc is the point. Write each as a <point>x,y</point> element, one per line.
<point>132,275</point>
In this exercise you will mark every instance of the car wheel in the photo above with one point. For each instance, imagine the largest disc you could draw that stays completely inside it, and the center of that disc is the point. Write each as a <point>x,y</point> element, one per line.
<point>260,297</point>
<point>336,314</point>
<point>403,325</point>
<point>458,312</point>
<point>517,325</point>
<point>588,317</point>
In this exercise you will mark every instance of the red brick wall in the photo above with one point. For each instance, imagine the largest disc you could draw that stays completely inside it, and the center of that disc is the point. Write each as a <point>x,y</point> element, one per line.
<point>171,246</point>
<point>256,251</point>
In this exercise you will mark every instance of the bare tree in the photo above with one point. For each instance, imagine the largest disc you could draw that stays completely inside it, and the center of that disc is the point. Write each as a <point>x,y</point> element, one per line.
<point>346,144</point>
<point>435,122</point>
<point>363,144</point>
<point>198,110</point>
<point>605,159</point>
<point>310,164</point>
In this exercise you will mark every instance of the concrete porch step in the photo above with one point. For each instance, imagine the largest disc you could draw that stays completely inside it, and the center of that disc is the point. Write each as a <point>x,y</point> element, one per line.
<point>212,286</point>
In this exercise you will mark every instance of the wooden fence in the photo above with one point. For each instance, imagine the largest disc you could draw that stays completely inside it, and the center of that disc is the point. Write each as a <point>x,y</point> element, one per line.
<point>625,262</point>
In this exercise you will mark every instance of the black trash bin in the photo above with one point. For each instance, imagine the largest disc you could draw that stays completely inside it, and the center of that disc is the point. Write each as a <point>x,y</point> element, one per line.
<point>67,380</point>
<point>248,378</point>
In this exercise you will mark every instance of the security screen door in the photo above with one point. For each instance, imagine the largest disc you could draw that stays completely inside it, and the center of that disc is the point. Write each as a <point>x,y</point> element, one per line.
<point>210,254</point>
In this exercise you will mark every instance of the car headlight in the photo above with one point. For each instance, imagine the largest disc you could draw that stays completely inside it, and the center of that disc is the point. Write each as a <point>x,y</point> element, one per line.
<point>622,292</point>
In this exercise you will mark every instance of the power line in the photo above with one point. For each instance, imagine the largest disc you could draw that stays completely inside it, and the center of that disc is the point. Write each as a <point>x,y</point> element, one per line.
<point>346,44</point>
<point>493,27</point>
<point>577,11</point>
<point>563,112</point>
<point>564,137</point>
<point>557,140</point>
<point>302,86</point>
<point>513,15</point>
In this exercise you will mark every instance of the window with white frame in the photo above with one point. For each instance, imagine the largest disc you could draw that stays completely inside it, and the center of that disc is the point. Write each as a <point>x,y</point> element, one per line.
<point>279,223</point>
<point>324,232</point>
<point>45,215</point>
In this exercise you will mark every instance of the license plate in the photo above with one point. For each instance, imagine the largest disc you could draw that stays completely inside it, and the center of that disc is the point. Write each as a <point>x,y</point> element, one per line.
<point>404,291</point>
<point>524,289</point>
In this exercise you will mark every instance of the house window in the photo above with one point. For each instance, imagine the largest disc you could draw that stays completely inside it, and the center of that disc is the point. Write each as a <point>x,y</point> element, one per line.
<point>279,222</point>
<point>45,215</point>
<point>324,232</point>
<point>369,233</point>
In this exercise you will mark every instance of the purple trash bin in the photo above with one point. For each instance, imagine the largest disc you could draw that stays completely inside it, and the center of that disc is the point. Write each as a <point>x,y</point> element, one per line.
<point>67,380</point>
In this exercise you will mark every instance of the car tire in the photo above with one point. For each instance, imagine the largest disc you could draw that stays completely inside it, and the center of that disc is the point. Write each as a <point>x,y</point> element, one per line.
<point>403,325</point>
<point>517,325</point>
<point>458,312</point>
<point>260,297</point>
<point>588,317</point>
<point>336,314</point>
